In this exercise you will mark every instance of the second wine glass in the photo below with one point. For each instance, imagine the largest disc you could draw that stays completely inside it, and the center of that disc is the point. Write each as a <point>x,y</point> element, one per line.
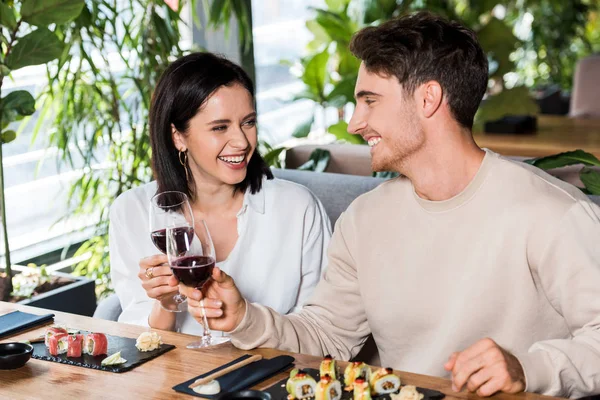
<point>192,260</point>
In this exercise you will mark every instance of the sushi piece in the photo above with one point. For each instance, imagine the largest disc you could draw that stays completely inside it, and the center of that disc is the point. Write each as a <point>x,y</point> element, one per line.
<point>356,369</point>
<point>362,391</point>
<point>300,385</point>
<point>95,344</point>
<point>328,389</point>
<point>75,345</point>
<point>383,381</point>
<point>328,367</point>
<point>58,344</point>
<point>51,331</point>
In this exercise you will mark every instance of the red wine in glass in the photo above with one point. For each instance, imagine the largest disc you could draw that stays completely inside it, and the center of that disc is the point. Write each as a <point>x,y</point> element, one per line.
<point>159,238</point>
<point>193,271</point>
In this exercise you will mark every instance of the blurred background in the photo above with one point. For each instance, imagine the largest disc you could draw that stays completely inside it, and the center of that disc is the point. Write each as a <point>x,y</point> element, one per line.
<point>76,77</point>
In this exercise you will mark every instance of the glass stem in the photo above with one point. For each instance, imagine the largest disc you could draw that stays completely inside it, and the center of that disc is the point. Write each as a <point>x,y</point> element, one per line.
<point>206,337</point>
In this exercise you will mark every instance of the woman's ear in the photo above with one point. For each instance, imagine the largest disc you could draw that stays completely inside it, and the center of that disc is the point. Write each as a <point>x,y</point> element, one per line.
<point>178,139</point>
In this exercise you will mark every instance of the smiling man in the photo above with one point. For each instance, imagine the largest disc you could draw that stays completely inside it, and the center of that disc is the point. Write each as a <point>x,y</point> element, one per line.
<point>469,266</point>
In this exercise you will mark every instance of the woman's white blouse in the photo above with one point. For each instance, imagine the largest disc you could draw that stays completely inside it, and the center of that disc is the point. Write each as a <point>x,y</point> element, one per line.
<point>283,233</point>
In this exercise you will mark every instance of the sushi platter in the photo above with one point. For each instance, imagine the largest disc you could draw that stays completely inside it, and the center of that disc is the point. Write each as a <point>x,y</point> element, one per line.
<point>358,382</point>
<point>96,350</point>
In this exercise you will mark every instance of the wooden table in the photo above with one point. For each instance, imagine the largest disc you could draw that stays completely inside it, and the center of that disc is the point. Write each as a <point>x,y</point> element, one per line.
<point>155,378</point>
<point>556,134</point>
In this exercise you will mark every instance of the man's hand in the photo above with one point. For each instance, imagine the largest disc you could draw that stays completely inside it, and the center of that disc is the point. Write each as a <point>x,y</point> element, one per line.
<point>220,299</point>
<point>486,368</point>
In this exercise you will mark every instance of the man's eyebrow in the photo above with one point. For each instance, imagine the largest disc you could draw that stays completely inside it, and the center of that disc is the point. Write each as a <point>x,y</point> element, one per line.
<point>364,93</point>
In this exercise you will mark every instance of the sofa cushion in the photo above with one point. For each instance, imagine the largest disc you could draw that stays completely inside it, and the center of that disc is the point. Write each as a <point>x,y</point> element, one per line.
<point>336,191</point>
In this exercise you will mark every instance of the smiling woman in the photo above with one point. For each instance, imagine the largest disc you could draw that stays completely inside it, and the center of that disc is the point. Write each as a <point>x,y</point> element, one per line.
<point>269,234</point>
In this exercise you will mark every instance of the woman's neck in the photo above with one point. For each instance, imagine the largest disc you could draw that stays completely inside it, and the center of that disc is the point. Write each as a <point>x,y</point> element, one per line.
<point>217,199</point>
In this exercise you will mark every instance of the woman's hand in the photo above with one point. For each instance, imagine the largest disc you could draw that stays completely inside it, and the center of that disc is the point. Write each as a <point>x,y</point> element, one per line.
<point>222,301</point>
<point>157,279</point>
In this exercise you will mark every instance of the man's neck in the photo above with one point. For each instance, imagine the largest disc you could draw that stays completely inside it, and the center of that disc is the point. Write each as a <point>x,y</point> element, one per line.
<point>444,166</point>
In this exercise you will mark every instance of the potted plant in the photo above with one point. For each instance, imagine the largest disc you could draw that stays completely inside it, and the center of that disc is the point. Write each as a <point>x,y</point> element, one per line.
<point>26,40</point>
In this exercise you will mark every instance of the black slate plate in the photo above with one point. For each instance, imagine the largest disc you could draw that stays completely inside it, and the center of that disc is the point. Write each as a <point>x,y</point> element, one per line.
<point>278,392</point>
<point>115,343</point>
<point>242,378</point>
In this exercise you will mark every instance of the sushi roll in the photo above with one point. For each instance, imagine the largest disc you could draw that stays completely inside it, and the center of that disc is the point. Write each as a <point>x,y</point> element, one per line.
<point>328,367</point>
<point>328,389</point>
<point>58,344</point>
<point>300,385</point>
<point>95,344</point>
<point>383,381</point>
<point>75,345</point>
<point>356,369</point>
<point>362,391</point>
<point>51,331</point>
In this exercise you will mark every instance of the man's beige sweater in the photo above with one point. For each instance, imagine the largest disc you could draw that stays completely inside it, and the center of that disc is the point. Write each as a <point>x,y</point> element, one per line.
<point>514,257</point>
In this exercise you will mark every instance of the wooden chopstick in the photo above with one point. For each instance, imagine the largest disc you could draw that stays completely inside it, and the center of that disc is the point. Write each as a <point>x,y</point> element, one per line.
<point>218,374</point>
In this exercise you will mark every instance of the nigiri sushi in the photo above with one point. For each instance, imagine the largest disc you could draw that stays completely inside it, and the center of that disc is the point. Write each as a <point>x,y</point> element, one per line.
<point>51,331</point>
<point>300,385</point>
<point>361,389</point>
<point>57,344</point>
<point>384,381</point>
<point>356,369</point>
<point>328,389</point>
<point>328,367</point>
<point>75,345</point>
<point>95,344</point>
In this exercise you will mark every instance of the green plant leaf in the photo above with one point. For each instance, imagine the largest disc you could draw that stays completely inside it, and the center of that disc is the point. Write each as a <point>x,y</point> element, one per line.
<point>386,174</point>
<point>272,157</point>
<point>342,93</point>
<point>315,73</point>
<point>340,130</point>
<point>4,70</point>
<point>348,66</point>
<point>8,136</point>
<point>338,27</point>
<point>16,105</point>
<point>497,39</point>
<point>317,161</point>
<point>7,16</point>
<point>515,101</point>
<point>337,5</point>
<point>303,129</point>
<point>46,12</point>
<point>564,159</point>
<point>320,35</point>
<point>38,47</point>
<point>591,180</point>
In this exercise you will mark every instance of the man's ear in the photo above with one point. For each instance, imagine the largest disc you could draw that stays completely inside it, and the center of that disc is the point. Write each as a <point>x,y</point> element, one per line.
<point>431,94</point>
<point>178,139</point>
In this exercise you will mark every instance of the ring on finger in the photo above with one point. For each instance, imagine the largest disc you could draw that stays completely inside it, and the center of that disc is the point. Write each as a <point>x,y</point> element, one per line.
<point>149,273</point>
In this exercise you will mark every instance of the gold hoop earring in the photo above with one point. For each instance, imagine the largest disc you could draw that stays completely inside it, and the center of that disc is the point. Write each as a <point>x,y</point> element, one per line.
<point>183,160</point>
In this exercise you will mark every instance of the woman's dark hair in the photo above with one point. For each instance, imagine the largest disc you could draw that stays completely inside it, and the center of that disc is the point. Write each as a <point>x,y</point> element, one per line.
<point>183,88</point>
<point>423,47</point>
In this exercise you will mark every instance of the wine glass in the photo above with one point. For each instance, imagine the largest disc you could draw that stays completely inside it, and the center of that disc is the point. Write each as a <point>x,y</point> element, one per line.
<point>170,209</point>
<point>192,260</point>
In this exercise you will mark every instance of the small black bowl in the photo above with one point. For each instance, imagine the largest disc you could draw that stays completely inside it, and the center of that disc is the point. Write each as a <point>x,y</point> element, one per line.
<point>246,395</point>
<point>14,355</point>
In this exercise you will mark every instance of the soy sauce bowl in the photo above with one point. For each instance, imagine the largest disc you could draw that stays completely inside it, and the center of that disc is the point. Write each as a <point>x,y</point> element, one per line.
<point>14,355</point>
<point>246,395</point>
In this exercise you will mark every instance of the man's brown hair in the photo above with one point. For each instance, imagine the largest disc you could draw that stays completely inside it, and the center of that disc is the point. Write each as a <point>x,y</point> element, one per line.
<point>424,47</point>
